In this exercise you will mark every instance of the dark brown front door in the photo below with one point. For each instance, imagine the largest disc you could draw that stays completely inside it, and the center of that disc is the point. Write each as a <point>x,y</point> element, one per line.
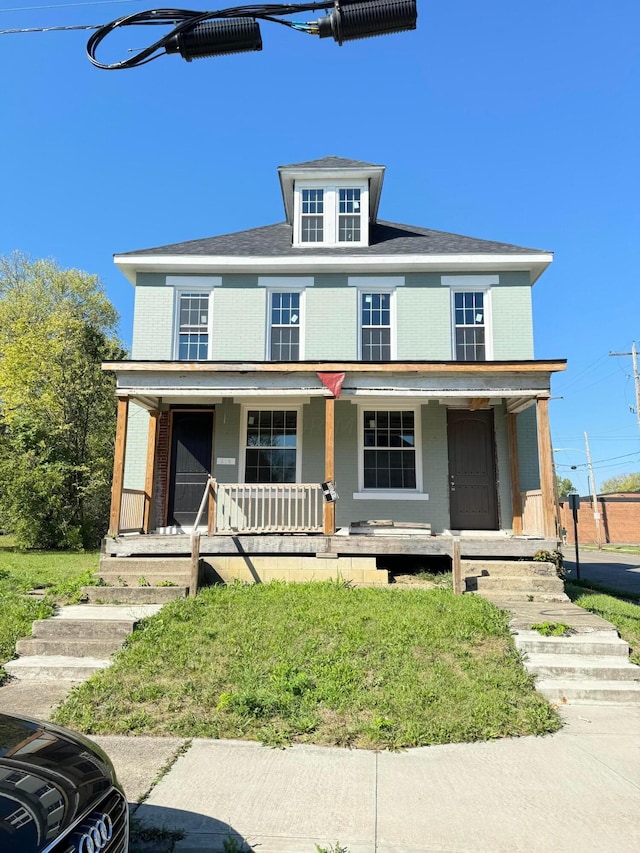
<point>191,447</point>
<point>472,470</point>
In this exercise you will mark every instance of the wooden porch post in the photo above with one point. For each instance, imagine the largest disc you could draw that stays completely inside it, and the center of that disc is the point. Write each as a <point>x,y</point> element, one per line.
<point>514,468</point>
<point>118,465</point>
<point>329,509</point>
<point>152,438</point>
<point>545,454</point>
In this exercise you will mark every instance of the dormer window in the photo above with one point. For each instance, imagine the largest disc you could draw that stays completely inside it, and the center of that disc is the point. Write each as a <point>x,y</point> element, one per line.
<point>312,226</point>
<point>332,214</point>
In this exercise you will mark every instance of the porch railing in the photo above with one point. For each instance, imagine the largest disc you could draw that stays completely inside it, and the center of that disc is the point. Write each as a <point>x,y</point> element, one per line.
<point>132,510</point>
<point>532,513</point>
<point>268,508</point>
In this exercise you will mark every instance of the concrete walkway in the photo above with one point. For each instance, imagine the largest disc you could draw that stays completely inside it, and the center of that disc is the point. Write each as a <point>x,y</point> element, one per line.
<point>573,792</point>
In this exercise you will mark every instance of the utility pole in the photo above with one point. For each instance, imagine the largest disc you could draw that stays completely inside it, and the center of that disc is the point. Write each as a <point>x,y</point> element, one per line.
<point>594,497</point>
<point>636,375</point>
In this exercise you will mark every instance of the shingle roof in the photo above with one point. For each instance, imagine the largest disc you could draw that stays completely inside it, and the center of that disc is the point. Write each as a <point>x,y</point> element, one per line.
<point>331,162</point>
<point>386,238</point>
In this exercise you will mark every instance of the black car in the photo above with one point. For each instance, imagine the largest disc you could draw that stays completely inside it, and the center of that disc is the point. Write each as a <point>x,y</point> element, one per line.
<point>58,792</point>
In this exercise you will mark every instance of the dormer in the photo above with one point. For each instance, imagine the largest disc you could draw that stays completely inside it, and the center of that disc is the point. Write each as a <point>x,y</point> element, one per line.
<point>331,202</point>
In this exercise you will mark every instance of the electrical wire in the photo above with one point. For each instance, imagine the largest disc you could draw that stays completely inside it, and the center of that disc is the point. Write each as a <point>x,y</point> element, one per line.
<point>66,5</point>
<point>183,20</point>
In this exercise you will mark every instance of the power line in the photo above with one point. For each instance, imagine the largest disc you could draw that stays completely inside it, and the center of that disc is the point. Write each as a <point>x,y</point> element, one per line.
<point>66,5</point>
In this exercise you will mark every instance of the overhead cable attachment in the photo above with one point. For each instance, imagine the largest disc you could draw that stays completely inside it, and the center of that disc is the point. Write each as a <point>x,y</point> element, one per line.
<point>216,38</point>
<point>349,21</point>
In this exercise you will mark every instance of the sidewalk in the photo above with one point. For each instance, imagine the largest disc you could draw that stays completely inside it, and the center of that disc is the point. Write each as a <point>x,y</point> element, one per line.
<point>577,790</point>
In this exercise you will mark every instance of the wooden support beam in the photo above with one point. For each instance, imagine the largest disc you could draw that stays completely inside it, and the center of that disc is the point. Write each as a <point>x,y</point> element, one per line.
<point>329,509</point>
<point>195,563</point>
<point>212,525</point>
<point>479,403</point>
<point>118,465</point>
<point>456,567</point>
<point>514,470</point>
<point>152,438</point>
<point>545,459</point>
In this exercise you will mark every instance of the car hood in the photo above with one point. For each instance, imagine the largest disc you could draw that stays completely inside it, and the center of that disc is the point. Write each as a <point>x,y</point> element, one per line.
<point>48,779</point>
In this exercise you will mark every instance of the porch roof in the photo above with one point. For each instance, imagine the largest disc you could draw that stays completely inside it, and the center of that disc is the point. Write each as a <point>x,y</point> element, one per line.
<point>475,384</point>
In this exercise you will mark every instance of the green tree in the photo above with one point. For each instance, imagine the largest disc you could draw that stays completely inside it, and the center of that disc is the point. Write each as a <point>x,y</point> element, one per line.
<point>622,483</point>
<point>565,486</point>
<point>57,407</point>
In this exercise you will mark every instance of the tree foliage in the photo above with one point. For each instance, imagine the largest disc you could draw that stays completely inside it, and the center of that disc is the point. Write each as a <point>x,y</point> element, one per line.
<point>57,407</point>
<point>622,483</point>
<point>564,486</point>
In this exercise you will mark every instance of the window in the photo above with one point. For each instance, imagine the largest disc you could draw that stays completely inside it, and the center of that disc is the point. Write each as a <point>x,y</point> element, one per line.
<point>285,327</point>
<point>271,449</point>
<point>193,327</point>
<point>389,449</point>
<point>469,325</point>
<point>375,325</point>
<point>312,230</point>
<point>349,215</point>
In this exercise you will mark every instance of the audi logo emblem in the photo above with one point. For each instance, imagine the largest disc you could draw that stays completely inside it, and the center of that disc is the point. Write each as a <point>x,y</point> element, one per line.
<point>96,838</point>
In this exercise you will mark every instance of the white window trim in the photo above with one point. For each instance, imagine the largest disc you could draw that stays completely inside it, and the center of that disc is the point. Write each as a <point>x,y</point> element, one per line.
<point>364,287</point>
<point>284,406</point>
<point>390,494</point>
<point>488,317</point>
<point>178,293</point>
<point>331,205</point>
<point>286,288</point>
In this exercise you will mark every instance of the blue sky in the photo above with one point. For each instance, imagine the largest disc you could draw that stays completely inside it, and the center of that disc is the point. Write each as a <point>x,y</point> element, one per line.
<point>509,121</point>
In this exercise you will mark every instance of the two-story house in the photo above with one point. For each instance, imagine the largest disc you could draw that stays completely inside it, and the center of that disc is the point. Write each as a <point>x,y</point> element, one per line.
<point>392,360</point>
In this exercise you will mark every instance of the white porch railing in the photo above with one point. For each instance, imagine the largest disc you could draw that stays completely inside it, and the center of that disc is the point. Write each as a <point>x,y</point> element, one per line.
<point>532,513</point>
<point>132,510</point>
<point>268,507</point>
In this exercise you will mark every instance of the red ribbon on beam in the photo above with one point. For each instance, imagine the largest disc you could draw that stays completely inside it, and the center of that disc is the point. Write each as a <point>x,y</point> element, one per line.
<point>332,381</point>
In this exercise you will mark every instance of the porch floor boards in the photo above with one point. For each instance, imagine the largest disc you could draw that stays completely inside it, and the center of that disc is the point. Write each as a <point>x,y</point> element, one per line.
<point>498,546</point>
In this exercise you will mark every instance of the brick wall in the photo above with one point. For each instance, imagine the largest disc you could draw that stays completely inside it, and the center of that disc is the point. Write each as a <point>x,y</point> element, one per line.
<point>619,519</point>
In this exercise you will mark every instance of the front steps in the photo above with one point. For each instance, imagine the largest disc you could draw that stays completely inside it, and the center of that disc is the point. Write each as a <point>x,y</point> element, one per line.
<point>584,668</point>
<point>140,580</point>
<point>513,580</point>
<point>75,643</point>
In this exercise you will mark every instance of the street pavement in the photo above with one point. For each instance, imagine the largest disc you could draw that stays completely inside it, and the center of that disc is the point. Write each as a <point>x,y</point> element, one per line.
<point>608,568</point>
<point>576,791</point>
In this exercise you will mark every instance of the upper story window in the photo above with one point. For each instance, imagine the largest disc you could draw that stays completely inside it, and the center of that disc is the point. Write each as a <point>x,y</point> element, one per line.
<point>349,215</point>
<point>312,223</point>
<point>285,326</point>
<point>470,326</point>
<point>193,326</point>
<point>375,326</point>
<point>331,214</point>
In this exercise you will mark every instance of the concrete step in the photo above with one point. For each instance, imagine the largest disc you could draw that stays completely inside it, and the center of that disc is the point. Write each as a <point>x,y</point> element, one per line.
<point>54,668</point>
<point>606,643</point>
<point>113,578</point>
<point>79,647</point>
<point>502,599</point>
<point>587,692</point>
<point>134,594</point>
<point>144,566</point>
<point>519,584</point>
<point>509,568</point>
<point>582,667</point>
<point>98,629</point>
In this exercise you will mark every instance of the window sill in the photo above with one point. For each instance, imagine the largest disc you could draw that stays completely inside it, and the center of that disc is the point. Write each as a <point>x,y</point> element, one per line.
<point>390,496</point>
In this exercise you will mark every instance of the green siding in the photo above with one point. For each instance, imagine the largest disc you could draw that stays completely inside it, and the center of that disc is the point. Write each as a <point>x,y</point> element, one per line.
<point>528,449</point>
<point>153,323</point>
<point>503,475</point>
<point>226,441</point>
<point>136,451</point>
<point>331,323</point>
<point>512,322</point>
<point>423,321</point>
<point>239,324</point>
<point>435,465</point>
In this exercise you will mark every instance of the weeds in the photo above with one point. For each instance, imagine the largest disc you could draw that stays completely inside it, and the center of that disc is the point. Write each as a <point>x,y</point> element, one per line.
<point>553,629</point>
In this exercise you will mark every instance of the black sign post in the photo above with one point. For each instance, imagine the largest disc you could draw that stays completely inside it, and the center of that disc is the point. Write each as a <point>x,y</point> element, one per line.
<point>574,506</point>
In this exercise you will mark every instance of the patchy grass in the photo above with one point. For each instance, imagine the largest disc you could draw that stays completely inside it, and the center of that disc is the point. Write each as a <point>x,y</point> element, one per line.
<point>624,614</point>
<point>60,573</point>
<point>612,549</point>
<point>627,595</point>
<point>317,663</point>
<point>552,629</point>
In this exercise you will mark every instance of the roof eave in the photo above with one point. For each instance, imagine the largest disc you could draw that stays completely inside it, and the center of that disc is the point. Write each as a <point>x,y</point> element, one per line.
<point>534,263</point>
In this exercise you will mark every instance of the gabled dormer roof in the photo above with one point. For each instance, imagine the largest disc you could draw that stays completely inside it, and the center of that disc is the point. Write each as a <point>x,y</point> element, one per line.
<point>331,168</point>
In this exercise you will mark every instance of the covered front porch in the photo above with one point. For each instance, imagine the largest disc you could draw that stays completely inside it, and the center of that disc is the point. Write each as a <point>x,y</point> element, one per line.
<point>341,404</point>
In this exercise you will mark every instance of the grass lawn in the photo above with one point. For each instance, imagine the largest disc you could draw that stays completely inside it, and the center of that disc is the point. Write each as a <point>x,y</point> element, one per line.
<point>60,572</point>
<point>612,549</point>
<point>625,615</point>
<point>317,663</point>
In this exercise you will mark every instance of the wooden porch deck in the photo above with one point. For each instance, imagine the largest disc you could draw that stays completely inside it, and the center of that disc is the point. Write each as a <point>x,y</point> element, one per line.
<point>353,545</point>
